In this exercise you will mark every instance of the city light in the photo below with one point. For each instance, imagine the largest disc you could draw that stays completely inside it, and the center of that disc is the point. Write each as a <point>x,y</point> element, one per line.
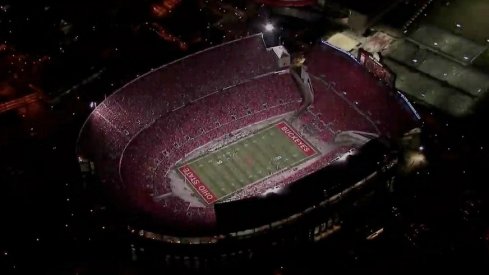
<point>269,27</point>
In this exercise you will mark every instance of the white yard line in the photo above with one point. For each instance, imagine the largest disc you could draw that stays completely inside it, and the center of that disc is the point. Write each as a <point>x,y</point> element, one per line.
<point>294,164</point>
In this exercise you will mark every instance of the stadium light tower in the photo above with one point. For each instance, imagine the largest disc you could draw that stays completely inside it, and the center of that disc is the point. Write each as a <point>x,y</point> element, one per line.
<point>269,27</point>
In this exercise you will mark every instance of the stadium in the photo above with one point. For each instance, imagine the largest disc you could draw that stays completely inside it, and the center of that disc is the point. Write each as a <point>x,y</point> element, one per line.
<point>233,143</point>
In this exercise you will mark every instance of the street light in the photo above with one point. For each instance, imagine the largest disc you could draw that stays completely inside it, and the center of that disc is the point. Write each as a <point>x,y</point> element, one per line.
<point>269,27</point>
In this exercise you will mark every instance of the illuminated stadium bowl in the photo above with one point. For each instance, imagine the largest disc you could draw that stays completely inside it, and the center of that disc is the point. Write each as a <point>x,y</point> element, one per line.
<point>230,126</point>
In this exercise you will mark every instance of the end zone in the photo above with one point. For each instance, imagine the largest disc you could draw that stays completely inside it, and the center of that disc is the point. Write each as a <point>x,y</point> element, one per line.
<point>307,149</point>
<point>197,184</point>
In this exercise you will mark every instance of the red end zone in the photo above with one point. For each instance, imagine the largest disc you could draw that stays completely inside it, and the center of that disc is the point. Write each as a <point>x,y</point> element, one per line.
<point>292,135</point>
<point>197,184</point>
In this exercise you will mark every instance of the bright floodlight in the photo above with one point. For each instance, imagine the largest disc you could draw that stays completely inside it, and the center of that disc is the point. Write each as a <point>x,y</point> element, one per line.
<point>269,27</point>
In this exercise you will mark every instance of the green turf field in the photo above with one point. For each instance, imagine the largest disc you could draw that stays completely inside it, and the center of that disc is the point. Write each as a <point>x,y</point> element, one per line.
<point>246,161</point>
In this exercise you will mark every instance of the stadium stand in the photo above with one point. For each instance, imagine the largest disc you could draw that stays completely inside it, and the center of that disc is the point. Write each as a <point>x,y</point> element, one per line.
<point>138,135</point>
<point>304,191</point>
<point>359,87</point>
<point>176,135</point>
<point>141,102</point>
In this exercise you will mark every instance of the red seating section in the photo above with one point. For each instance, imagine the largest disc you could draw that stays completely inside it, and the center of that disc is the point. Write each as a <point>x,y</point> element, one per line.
<point>150,155</point>
<point>138,134</point>
<point>369,94</point>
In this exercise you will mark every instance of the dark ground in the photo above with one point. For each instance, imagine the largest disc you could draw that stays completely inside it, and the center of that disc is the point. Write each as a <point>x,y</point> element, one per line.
<point>54,224</point>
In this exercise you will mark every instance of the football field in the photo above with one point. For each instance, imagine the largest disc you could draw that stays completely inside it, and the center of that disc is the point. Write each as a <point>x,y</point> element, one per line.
<point>251,159</point>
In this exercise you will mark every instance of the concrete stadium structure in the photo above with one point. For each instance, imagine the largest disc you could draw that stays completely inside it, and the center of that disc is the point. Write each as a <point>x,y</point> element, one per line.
<point>135,139</point>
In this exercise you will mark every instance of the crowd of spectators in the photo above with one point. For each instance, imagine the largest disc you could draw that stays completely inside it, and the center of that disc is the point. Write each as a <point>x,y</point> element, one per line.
<point>168,94</point>
<point>363,90</point>
<point>138,134</point>
<point>149,156</point>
